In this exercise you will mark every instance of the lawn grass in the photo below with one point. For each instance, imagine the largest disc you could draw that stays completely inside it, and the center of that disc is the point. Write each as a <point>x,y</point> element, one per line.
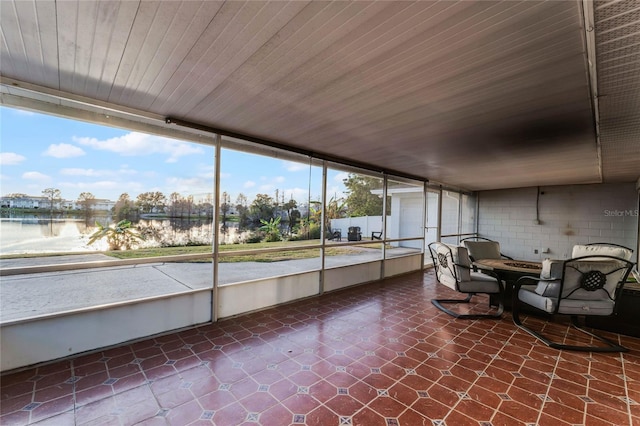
<point>277,256</point>
<point>294,253</point>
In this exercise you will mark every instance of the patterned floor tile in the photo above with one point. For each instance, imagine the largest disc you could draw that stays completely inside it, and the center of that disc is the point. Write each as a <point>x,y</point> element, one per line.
<point>383,355</point>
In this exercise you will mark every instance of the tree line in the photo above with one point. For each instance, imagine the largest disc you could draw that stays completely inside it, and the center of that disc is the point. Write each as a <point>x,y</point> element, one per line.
<point>272,218</point>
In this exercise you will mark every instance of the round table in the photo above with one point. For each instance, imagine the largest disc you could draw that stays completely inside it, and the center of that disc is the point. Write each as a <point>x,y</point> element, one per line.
<point>522,267</point>
<point>509,271</point>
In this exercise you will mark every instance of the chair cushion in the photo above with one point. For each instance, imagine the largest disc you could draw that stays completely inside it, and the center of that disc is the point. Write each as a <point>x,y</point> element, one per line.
<point>448,258</point>
<point>461,257</point>
<point>548,288</point>
<point>575,272</point>
<point>443,262</point>
<point>461,254</point>
<point>567,306</point>
<point>483,249</point>
<point>480,283</point>
<point>467,281</point>
<point>551,269</point>
<point>594,250</point>
<point>530,297</point>
<point>586,307</point>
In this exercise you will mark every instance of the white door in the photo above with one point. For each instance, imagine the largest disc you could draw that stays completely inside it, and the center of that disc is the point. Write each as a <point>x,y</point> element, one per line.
<point>411,221</point>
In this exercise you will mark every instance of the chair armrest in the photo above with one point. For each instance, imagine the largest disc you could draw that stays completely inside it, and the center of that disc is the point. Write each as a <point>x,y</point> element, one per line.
<point>530,279</point>
<point>473,267</point>
<point>464,266</point>
<point>486,271</point>
<point>491,273</point>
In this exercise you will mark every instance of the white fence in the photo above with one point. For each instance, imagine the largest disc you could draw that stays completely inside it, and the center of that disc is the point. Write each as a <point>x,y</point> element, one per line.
<point>367,224</point>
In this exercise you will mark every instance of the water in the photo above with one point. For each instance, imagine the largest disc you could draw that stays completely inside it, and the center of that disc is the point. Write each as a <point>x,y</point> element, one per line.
<point>40,234</point>
<point>34,235</point>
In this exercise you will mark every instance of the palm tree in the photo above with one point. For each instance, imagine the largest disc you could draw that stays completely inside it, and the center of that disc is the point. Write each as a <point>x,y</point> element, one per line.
<point>271,227</point>
<point>119,236</point>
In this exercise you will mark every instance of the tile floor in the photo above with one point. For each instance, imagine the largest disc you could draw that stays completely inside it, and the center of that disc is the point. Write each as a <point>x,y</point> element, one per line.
<point>374,355</point>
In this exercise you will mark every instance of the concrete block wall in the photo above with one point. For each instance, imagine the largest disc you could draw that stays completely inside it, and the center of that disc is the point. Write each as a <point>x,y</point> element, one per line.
<point>566,215</point>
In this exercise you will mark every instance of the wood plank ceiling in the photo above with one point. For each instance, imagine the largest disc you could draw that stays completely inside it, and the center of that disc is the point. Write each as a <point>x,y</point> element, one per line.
<point>480,95</point>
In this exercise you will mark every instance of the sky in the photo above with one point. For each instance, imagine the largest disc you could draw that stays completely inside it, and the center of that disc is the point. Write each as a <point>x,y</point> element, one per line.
<point>40,151</point>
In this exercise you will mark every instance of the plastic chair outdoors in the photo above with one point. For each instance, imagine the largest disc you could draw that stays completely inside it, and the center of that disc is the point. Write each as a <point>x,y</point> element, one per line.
<point>354,233</point>
<point>335,234</point>
<point>578,287</point>
<point>453,269</point>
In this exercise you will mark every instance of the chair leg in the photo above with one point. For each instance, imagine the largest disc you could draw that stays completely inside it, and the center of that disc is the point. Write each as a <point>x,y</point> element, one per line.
<point>610,345</point>
<point>438,304</point>
<point>515,313</point>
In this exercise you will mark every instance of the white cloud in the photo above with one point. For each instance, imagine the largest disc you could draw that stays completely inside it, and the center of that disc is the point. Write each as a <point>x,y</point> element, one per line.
<point>336,191</point>
<point>137,144</point>
<point>11,158</point>
<point>188,185</point>
<point>96,173</point>
<point>63,150</point>
<point>267,187</point>
<point>109,189</point>
<point>249,184</point>
<point>81,172</point>
<point>208,172</point>
<point>298,194</point>
<point>291,166</point>
<point>93,187</point>
<point>35,176</point>
<point>341,176</point>
<point>270,181</point>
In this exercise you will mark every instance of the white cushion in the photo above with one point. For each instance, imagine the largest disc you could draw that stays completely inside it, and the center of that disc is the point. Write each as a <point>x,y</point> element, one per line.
<point>445,274</point>
<point>461,262</point>
<point>613,270</point>
<point>586,307</point>
<point>594,250</point>
<point>567,306</point>
<point>551,269</point>
<point>483,249</point>
<point>548,288</point>
<point>444,268</point>
<point>461,258</point>
<point>480,283</point>
<point>529,297</point>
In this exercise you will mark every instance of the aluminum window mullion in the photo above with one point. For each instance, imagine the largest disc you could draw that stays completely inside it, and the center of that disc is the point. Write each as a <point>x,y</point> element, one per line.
<point>216,232</point>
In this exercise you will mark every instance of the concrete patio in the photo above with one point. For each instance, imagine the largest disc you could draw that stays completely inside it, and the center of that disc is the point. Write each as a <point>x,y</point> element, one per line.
<point>29,295</point>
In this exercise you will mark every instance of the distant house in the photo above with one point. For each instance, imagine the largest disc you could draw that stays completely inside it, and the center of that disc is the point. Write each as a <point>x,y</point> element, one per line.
<point>101,204</point>
<point>23,201</point>
<point>405,221</point>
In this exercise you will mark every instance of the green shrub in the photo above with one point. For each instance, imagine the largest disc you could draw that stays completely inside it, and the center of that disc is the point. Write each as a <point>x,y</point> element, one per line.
<point>254,237</point>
